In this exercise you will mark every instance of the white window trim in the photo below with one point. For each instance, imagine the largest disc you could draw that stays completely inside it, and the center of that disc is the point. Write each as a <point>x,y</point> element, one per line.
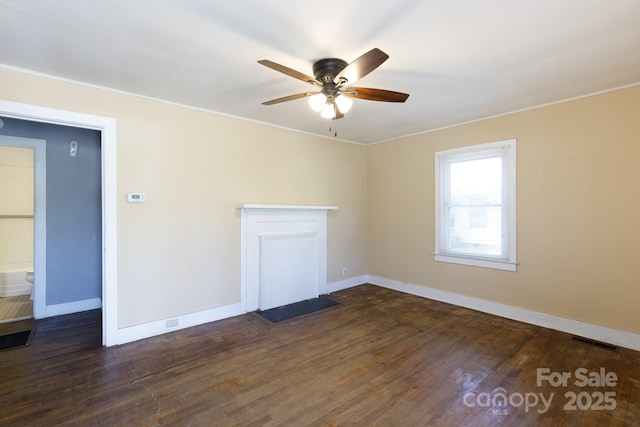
<point>478,261</point>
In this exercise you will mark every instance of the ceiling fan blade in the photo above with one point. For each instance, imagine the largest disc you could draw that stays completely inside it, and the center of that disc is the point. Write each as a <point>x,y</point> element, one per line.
<point>362,66</point>
<point>289,72</point>
<point>375,94</point>
<point>289,98</point>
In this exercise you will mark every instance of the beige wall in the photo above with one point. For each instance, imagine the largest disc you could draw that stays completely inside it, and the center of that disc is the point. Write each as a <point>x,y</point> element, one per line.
<point>577,206</point>
<point>179,252</point>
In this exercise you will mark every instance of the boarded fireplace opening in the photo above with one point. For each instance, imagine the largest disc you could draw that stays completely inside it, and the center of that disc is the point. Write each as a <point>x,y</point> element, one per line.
<point>284,254</point>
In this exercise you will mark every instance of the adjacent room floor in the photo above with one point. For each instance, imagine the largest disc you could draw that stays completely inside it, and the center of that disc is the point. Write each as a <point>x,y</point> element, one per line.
<point>379,358</point>
<point>12,308</point>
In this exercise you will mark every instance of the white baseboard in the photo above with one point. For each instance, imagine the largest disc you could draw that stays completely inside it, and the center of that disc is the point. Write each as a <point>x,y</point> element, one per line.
<point>146,330</point>
<point>575,327</point>
<point>158,327</point>
<point>346,283</point>
<point>73,307</point>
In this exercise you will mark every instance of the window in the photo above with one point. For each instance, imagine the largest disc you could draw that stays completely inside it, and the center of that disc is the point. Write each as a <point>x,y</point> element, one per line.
<point>476,205</point>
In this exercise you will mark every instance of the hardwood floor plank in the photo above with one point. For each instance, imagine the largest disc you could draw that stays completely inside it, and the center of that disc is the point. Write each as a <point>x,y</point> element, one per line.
<point>379,358</point>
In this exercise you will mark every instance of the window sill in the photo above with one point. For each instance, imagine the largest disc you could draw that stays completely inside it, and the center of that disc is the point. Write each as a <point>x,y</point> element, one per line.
<point>476,262</point>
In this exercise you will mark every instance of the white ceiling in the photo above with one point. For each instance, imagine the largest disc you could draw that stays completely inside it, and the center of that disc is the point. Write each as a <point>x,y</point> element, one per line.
<point>460,60</point>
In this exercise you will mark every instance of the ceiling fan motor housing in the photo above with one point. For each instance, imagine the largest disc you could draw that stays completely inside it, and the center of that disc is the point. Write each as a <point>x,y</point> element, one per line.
<point>325,70</point>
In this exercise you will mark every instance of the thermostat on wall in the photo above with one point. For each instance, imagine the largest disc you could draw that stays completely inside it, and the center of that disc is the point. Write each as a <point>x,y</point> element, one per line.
<point>135,197</point>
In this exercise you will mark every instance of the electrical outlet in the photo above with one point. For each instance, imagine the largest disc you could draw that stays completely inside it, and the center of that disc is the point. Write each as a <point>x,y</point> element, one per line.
<point>172,323</point>
<point>344,271</point>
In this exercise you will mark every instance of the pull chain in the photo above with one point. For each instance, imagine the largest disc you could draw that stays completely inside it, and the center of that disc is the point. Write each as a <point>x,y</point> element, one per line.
<point>334,130</point>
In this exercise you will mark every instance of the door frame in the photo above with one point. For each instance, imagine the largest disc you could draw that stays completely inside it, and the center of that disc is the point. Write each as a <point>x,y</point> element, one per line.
<point>107,128</point>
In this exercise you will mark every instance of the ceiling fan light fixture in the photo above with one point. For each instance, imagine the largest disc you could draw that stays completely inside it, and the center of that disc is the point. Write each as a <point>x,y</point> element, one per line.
<point>334,76</point>
<point>328,111</point>
<point>344,104</point>
<point>317,101</point>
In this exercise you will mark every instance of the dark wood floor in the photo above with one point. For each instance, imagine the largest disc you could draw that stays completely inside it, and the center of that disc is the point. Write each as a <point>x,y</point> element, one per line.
<point>380,358</point>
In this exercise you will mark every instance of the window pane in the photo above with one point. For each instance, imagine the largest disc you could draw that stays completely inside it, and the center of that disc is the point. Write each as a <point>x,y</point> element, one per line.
<point>464,237</point>
<point>477,179</point>
<point>475,210</point>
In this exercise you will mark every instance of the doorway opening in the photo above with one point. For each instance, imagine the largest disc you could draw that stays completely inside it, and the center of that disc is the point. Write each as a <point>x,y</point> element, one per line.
<point>107,129</point>
<point>71,279</point>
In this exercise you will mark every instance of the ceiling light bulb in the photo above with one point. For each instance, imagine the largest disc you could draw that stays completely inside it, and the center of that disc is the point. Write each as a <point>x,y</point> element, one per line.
<point>328,111</point>
<point>317,101</point>
<point>344,103</point>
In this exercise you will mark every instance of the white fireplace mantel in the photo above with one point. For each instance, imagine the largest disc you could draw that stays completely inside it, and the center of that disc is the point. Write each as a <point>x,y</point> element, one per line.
<point>283,254</point>
<point>284,207</point>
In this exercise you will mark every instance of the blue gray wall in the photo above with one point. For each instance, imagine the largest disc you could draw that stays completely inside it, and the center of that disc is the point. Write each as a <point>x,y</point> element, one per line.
<point>74,209</point>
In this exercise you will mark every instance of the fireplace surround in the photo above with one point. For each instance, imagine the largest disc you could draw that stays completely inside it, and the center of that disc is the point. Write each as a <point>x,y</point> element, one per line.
<point>283,254</point>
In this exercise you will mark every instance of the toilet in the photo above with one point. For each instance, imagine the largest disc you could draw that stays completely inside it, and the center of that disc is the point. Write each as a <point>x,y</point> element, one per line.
<point>29,278</point>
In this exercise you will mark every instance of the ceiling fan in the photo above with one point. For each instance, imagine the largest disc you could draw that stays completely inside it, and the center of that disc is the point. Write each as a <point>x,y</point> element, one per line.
<point>334,76</point>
